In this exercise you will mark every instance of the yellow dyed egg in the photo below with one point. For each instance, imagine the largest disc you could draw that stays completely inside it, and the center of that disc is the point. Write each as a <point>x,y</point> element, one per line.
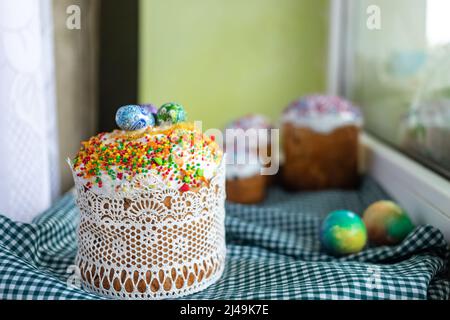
<point>343,232</point>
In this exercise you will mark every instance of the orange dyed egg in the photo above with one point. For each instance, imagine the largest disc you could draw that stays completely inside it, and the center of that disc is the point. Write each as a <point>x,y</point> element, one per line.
<point>387,223</point>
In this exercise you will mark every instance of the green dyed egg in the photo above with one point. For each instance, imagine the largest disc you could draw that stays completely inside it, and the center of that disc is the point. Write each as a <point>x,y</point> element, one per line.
<point>171,113</point>
<point>343,232</point>
<point>387,223</point>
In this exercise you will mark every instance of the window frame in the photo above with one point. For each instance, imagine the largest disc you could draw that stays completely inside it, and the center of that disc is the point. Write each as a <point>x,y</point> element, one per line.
<point>421,191</point>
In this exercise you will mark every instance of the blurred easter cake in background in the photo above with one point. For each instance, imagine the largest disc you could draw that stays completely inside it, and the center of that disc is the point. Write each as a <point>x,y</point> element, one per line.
<point>247,144</point>
<point>320,143</point>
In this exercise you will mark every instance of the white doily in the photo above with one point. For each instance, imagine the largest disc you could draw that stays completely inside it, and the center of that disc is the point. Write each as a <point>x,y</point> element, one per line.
<point>155,244</point>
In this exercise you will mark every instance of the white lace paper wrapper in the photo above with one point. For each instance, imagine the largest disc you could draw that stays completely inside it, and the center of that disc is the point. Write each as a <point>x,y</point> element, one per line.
<point>157,243</point>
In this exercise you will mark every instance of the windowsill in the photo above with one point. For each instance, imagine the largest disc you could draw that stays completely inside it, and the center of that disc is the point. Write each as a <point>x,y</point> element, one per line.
<point>423,193</point>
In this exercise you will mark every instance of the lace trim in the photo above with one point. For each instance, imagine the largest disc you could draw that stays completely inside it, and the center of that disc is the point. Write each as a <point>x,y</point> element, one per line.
<point>155,244</point>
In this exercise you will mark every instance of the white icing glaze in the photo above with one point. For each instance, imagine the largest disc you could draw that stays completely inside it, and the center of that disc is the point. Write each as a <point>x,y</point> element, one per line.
<point>129,185</point>
<point>322,123</point>
<point>322,113</point>
<point>251,129</point>
<point>242,165</point>
<point>251,121</point>
<point>130,188</point>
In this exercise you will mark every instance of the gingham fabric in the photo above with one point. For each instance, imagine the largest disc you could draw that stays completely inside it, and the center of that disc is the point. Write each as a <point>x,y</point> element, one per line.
<point>273,252</point>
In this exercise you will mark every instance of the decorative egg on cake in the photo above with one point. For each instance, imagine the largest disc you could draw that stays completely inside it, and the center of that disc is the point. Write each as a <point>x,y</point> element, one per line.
<point>343,232</point>
<point>151,108</point>
<point>171,113</point>
<point>387,223</point>
<point>134,117</point>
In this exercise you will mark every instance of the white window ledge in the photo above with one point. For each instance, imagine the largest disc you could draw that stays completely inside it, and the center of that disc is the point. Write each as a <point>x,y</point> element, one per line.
<point>423,193</point>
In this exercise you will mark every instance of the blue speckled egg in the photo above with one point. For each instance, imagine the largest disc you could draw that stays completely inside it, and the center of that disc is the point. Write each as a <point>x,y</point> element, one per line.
<point>171,113</point>
<point>134,117</point>
<point>343,232</point>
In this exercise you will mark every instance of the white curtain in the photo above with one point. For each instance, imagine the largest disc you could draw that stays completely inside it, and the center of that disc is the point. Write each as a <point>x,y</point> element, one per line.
<point>28,138</point>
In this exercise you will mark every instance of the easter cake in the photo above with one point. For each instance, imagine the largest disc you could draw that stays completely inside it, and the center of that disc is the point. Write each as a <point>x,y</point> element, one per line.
<point>151,201</point>
<point>320,142</point>
<point>244,180</point>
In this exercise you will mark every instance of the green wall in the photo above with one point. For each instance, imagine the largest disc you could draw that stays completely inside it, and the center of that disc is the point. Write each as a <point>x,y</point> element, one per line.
<point>224,58</point>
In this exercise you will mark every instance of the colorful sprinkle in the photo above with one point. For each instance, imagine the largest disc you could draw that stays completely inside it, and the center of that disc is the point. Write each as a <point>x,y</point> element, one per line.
<point>178,154</point>
<point>158,161</point>
<point>184,188</point>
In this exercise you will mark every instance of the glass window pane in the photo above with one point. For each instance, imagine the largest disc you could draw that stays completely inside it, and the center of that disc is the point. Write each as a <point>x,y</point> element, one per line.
<point>401,75</point>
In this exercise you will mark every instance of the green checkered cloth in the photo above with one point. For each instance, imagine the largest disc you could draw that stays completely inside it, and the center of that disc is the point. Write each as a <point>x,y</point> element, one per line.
<point>273,252</point>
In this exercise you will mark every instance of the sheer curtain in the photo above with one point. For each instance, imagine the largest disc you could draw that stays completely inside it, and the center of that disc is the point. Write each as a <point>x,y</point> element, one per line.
<point>29,171</point>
